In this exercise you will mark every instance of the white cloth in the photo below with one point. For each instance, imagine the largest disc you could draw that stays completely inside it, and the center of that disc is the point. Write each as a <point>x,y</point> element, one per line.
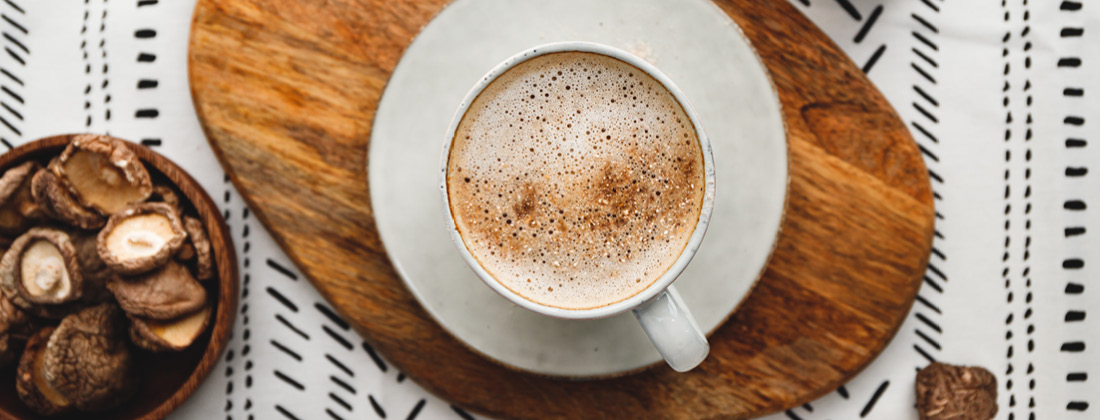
<point>998,95</point>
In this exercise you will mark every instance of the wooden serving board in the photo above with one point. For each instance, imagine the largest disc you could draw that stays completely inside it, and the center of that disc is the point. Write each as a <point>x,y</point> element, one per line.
<point>287,92</point>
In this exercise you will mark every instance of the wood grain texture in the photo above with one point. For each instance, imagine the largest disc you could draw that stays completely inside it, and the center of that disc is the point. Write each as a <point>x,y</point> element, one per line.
<point>287,94</point>
<point>168,379</point>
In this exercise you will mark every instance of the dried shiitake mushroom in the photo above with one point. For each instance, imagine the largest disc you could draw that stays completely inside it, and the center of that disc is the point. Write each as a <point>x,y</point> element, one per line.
<point>175,335</point>
<point>40,273</point>
<point>15,320</point>
<point>140,238</point>
<point>9,349</point>
<point>186,252</point>
<point>164,294</point>
<point>204,261</point>
<point>95,272</point>
<point>58,203</point>
<point>91,264</point>
<point>15,327</point>
<point>165,194</point>
<point>103,173</point>
<point>17,207</point>
<point>89,361</point>
<point>111,256</point>
<point>30,379</point>
<point>949,392</point>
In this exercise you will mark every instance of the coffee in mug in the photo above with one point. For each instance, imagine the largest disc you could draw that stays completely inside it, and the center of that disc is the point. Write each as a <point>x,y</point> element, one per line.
<point>575,180</point>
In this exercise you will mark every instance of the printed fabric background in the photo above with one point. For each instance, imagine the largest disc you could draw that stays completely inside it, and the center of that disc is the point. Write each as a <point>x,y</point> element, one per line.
<point>1000,96</point>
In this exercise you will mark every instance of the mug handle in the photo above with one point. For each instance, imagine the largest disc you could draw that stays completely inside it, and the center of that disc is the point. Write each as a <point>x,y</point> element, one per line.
<point>669,324</point>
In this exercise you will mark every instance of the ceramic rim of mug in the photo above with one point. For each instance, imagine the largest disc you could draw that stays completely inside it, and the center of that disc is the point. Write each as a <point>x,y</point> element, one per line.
<point>690,249</point>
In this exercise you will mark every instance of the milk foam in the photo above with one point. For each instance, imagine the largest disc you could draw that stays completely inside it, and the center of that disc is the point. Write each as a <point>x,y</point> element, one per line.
<point>575,179</point>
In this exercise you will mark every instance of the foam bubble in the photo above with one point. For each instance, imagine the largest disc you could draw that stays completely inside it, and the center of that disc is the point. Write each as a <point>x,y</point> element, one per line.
<point>575,180</point>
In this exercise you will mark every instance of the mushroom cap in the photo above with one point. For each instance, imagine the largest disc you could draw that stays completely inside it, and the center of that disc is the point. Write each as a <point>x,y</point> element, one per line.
<point>30,381</point>
<point>9,349</point>
<point>95,272</point>
<point>14,321</point>
<point>58,203</point>
<point>103,173</point>
<point>16,202</point>
<point>15,178</point>
<point>15,328</point>
<point>186,252</point>
<point>164,294</point>
<point>40,272</point>
<point>89,361</point>
<point>204,263</point>
<point>175,335</point>
<point>165,194</point>
<point>140,238</point>
<point>955,392</point>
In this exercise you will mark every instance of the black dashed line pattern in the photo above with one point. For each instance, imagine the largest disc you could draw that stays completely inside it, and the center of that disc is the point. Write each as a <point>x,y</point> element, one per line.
<point>1074,234</point>
<point>332,414</point>
<point>1025,60</point>
<point>462,413</point>
<point>340,365</point>
<point>1026,274</point>
<point>381,412</point>
<point>15,6</point>
<point>281,269</point>
<point>374,356</point>
<point>289,381</point>
<point>246,286</point>
<point>271,291</point>
<point>342,386</point>
<point>87,64</point>
<point>285,412</point>
<point>343,342</point>
<point>14,117</point>
<point>104,70</point>
<point>925,49</point>
<point>292,327</point>
<point>340,383</point>
<point>874,399</point>
<point>331,315</point>
<point>229,353</point>
<point>416,410</point>
<point>294,355</point>
<point>868,24</point>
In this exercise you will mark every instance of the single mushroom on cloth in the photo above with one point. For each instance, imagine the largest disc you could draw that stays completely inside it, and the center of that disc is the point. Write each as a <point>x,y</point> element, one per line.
<point>17,205</point>
<point>103,173</point>
<point>164,294</point>
<point>30,379</point>
<point>946,392</point>
<point>89,361</point>
<point>140,238</point>
<point>58,203</point>
<point>40,273</point>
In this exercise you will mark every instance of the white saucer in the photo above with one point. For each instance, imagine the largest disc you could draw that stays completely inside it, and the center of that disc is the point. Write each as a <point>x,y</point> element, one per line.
<point>698,47</point>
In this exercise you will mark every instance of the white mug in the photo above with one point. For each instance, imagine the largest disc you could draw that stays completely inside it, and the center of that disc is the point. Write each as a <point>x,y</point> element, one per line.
<point>659,308</point>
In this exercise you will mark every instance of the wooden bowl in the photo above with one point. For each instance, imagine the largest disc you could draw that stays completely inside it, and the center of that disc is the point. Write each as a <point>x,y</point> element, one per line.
<point>177,374</point>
